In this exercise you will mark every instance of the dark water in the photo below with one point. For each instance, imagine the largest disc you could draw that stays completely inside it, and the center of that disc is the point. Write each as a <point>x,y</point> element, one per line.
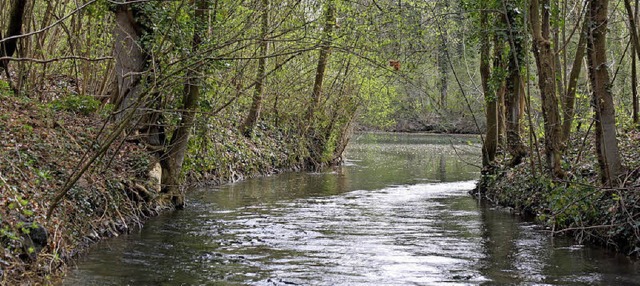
<point>397,213</point>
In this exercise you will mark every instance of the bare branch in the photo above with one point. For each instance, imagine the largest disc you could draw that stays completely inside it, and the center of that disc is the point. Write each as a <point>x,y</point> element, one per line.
<point>46,61</point>
<point>52,25</point>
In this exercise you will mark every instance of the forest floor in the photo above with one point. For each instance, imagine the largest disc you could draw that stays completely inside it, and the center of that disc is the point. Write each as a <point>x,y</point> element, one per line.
<point>576,205</point>
<point>44,144</point>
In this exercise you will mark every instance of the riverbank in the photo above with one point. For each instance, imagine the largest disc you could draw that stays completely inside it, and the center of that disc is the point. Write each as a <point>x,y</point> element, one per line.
<point>44,143</point>
<point>576,206</point>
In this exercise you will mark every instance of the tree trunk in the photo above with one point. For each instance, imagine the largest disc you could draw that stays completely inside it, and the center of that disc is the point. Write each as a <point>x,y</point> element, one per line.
<point>634,98</point>
<point>490,143</point>
<point>605,121</point>
<point>560,69</point>
<point>514,89</point>
<point>174,155</point>
<point>325,51</point>
<point>8,46</point>
<point>569,99</point>
<point>133,76</point>
<point>442,68</point>
<point>16,15</point>
<point>634,85</point>
<point>315,138</point>
<point>254,113</point>
<point>635,52</point>
<point>131,60</point>
<point>547,81</point>
<point>501,88</point>
<point>635,40</point>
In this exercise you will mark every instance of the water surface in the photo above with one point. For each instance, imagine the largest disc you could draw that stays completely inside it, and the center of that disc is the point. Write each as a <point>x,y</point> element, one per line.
<point>397,213</point>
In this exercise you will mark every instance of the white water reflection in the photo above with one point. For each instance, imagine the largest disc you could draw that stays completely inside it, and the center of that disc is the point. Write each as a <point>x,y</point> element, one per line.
<point>366,236</point>
<point>397,214</point>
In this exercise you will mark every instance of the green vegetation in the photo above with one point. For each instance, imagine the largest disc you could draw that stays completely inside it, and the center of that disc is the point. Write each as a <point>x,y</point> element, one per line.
<point>564,157</point>
<point>108,108</point>
<point>115,196</point>
<point>576,206</point>
<point>82,104</point>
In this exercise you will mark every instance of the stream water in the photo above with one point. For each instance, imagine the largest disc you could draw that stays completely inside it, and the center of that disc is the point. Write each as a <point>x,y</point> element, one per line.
<point>397,213</point>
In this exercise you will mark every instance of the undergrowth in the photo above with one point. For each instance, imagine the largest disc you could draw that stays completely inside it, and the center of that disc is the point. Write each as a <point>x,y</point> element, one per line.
<point>42,146</point>
<point>577,205</point>
<point>44,143</point>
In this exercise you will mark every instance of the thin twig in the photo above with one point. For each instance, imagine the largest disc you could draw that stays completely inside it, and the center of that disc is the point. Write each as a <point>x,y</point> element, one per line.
<point>586,227</point>
<point>50,26</point>
<point>46,61</point>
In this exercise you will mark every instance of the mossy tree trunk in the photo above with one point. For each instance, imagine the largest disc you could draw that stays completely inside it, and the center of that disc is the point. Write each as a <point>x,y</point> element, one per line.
<point>315,138</point>
<point>442,64</point>
<point>134,93</point>
<point>131,58</point>
<point>490,142</point>
<point>323,58</point>
<point>499,67</point>
<point>545,61</point>
<point>569,99</point>
<point>176,150</point>
<point>605,120</point>
<point>134,79</point>
<point>258,94</point>
<point>514,96</point>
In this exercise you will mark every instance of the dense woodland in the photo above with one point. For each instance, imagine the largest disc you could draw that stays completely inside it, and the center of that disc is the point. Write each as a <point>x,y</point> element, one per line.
<point>559,80</point>
<point>202,87</point>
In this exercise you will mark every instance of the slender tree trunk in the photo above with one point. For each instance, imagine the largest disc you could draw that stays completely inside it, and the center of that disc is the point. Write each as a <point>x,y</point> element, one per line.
<point>635,39</point>
<point>569,99</point>
<point>460,34</point>
<point>514,89</point>
<point>315,138</point>
<point>501,88</point>
<point>557,51</point>
<point>605,121</point>
<point>547,81</point>
<point>635,52</point>
<point>174,155</point>
<point>442,68</point>
<point>491,139</point>
<point>8,46</point>
<point>256,106</point>
<point>323,58</point>
<point>634,86</point>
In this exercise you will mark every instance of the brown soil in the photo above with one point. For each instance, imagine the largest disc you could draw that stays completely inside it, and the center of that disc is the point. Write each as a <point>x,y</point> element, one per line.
<point>40,148</point>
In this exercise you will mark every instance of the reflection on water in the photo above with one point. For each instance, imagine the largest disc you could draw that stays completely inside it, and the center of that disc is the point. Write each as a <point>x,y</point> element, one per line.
<point>397,213</point>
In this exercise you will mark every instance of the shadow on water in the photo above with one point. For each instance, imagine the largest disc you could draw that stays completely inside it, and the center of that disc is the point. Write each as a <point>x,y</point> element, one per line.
<point>397,213</point>
<point>517,252</point>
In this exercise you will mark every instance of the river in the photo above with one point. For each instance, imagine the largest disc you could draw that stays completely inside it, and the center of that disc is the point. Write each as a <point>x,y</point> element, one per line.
<point>396,213</point>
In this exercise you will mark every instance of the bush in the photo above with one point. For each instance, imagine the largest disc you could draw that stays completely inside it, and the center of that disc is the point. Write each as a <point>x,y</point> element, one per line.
<point>77,103</point>
<point>5,89</point>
